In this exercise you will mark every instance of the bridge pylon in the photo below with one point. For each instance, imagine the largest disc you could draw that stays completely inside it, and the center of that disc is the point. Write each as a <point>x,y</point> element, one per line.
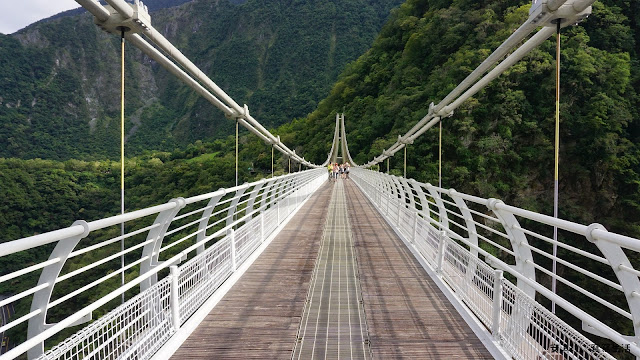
<point>340,148</point>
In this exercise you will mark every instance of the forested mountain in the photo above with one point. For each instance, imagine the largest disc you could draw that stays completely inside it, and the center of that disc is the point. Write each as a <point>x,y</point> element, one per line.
<point>500,142</point>
<point>59,100</point>
<point>59,79</point>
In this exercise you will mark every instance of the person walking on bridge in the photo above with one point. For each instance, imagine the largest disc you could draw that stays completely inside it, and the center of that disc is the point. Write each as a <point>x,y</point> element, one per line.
<point>330,168</point>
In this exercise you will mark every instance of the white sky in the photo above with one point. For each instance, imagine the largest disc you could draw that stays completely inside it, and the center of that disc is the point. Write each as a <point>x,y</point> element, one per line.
<point>17,14</point>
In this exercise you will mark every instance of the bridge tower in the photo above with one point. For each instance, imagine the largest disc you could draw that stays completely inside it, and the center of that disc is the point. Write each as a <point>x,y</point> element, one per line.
<point>340,148</point>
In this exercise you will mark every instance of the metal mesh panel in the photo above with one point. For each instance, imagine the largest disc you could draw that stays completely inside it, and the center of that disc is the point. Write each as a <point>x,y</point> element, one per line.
<point>201,277</point>
<point>270,221</point>
<point>134,330</point>
<point>392,210</point>
<point>529,331</point>
<point>471,279</point>
<point>247,240</point>
<point>426,241</point>
<point>288,205</point>
<point>405,222</point>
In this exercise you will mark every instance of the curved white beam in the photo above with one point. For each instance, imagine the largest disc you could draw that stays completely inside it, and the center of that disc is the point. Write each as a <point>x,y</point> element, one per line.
<point>192,75</point>
<point>555,9</point>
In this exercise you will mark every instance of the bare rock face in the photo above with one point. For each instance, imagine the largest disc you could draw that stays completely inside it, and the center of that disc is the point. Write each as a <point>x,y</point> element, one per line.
<point>31,36</point>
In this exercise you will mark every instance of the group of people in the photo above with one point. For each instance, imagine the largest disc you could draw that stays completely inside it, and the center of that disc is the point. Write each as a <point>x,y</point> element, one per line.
<point>338,170</point>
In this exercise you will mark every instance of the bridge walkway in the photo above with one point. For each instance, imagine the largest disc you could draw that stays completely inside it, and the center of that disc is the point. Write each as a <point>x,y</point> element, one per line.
<point>407,316</point>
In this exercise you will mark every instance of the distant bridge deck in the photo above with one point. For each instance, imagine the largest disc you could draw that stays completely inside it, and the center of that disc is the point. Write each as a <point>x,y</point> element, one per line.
<point>406,314</point>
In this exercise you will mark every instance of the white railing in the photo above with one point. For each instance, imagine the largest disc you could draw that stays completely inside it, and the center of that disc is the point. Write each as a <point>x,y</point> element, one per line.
<point>177,255</point>
<point>470,242</point>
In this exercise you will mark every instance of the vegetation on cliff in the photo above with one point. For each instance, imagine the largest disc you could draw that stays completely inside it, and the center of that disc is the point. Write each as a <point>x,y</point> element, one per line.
<point>60,79</point>
<point>500,142</point>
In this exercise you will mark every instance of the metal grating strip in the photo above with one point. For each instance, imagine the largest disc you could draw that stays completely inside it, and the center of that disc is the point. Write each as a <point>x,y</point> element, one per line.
<point>333,324</point>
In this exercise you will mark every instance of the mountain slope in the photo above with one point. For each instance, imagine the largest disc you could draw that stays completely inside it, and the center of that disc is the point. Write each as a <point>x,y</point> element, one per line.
<point>500,142</point>
<point>59,80</point>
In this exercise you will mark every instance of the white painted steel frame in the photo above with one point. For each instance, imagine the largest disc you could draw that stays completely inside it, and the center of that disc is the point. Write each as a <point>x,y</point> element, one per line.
<point>215,232</point>
<point>543,14</point>
<point>450,234</point>
<point>135,18</point>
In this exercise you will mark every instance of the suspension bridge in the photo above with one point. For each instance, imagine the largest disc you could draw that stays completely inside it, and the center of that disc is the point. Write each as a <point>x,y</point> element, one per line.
<point>299,266</point>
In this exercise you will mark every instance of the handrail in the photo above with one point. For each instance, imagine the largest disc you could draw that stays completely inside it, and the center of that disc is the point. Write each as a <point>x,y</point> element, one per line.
<point>434,243</point>
<point>467,267</point>
<point>174,235</point>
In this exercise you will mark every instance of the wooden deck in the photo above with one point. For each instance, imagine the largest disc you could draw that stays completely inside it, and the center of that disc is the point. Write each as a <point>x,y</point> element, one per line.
<point>259,317</point>
<point>334,323</point>
<point>407,316</point>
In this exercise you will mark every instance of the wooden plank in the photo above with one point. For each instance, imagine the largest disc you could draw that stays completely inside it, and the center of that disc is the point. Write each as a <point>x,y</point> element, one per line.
<point>260,315</point>
<point>407,315</point>
<point>333,324</point>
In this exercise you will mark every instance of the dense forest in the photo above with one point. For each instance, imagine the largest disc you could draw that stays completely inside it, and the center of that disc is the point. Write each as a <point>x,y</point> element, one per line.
<point>60,79</point>
<point>498,144</point>
<point>44,195</point>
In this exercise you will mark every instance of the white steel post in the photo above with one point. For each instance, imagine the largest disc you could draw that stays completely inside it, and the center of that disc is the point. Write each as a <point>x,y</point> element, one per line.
<point>415,226</point>
<point>440,156</point>
<point>497,303</point>
<point>387,193</point>
<point>175,297</point>
<point>405,161</point>
<point>278,210</point>
<point>441,247</point>
<point>237,132</point>
<point>232,238</point>
<point>262,226</point>
<point>289,201</point>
